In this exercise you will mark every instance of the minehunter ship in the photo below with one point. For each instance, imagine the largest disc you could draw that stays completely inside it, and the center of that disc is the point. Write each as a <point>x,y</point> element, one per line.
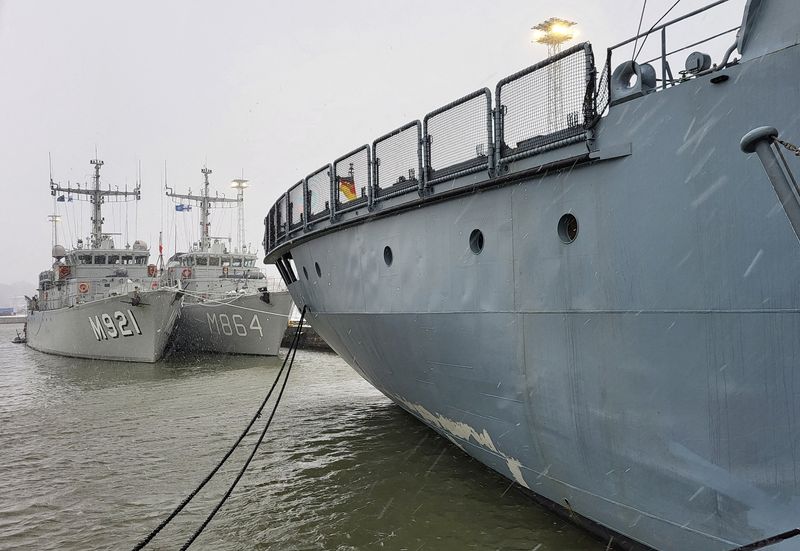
<point>99,301</point>
<point>229,305</point>
<point>583,282</point>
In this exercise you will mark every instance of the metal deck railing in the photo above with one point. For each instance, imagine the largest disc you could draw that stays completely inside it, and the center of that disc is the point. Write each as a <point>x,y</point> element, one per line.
<point>550,105</point>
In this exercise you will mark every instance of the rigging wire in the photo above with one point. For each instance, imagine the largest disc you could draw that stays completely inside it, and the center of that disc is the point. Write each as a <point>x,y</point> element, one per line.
<point>638,30</point>
<point>653,27</point>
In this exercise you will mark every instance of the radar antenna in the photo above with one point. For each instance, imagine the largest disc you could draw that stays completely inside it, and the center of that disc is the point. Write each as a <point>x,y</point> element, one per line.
<point>205,201</point>
<point>97,197</point>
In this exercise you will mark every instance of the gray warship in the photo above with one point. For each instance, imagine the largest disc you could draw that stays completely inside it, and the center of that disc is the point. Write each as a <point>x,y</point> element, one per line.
<point>229,306</point>
<point>583,282</point>
<point>99,301</point>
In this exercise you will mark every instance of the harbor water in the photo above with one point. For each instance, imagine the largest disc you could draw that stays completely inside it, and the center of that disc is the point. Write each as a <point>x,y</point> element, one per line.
<point>94,454</point>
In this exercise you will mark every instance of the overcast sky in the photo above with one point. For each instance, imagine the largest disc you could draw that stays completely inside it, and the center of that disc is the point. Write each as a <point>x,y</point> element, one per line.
<point>274,89</point>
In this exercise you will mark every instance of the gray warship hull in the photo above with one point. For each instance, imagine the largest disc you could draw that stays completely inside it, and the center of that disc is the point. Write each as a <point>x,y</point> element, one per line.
<point>639,369</point>
<point>241,325</point>
<point>107,329</point>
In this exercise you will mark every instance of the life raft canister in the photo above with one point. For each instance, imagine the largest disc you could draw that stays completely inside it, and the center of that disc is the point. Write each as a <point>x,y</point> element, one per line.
<point>154,285</point>
<point>186,272</point>
<point>63,272</point>
<point>151,270</point>
<point>83,287</point>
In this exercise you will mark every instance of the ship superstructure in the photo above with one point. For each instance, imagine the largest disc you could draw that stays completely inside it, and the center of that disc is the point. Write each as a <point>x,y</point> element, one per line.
<point>230,305</point>
<point>600,303</point>
<point>99,301</point>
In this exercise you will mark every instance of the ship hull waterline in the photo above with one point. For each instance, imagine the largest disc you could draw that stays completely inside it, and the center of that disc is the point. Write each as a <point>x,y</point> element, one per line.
<point>245,324</point>
<point>642,376</point>
<point>112,328</point>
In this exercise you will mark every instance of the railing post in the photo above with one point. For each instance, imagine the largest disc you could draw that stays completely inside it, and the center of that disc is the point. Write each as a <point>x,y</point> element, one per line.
<point>306,204</point>
<point>664,58</point>
<point>759,141</point>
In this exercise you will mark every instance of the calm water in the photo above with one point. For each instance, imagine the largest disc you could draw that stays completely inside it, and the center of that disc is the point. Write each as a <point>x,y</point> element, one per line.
<point>94,454</point>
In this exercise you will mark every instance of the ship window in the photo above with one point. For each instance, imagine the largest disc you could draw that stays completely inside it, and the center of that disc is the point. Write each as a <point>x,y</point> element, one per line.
<point>127,259</point>
<point>568,228</point>
<point>202,261</point>
<point>213,261</point>
<point>387,255</point>
<point>236,263</point>
<point>85,259</point>
<point>141,260</point>
<point>317,268</point>
<point>250,263</point>
<point>476,241</point>
<point>100,259</point>
<point>113,259</point>
<point>305,272</point>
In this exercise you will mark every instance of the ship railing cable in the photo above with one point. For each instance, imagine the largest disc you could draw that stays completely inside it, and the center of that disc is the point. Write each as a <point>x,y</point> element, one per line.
<point>290,354</point>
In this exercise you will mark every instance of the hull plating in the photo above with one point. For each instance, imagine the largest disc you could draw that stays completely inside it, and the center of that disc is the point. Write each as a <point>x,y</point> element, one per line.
<point>243,325</point>
<point>107,329</point>
<point>644,376</point>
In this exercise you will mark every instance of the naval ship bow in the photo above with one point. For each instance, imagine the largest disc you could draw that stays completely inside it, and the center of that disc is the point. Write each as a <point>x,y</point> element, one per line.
<point>583,282</point>
<point>99,301</point>
<point>230,306</point>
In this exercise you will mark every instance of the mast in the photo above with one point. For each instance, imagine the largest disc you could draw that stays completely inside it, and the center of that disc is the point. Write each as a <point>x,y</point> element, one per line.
<point>97,197</point>
<point>239,184</point>
<point>205,200</point>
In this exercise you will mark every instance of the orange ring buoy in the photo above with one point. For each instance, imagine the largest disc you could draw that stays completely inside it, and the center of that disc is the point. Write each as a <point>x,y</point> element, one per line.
<point>151,270</point>
<point>186,272</point>
<point>154,285</point>
<point>83,287</point>
<point>63,272</point>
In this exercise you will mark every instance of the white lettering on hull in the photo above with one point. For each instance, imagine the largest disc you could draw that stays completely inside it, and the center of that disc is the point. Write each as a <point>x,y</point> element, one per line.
<point>223,324</point>
<point>104,326</point>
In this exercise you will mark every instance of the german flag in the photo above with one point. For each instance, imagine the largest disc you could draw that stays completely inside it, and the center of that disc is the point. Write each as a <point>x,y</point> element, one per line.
<point>347,186</point>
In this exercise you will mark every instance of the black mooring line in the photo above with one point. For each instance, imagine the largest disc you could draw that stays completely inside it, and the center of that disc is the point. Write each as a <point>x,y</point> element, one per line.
<point>760,544</point>
<point>252,453</point>
<point>187,499</point>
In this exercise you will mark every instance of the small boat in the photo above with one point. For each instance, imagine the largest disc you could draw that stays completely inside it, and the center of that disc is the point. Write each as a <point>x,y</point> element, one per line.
<point>20,339</point>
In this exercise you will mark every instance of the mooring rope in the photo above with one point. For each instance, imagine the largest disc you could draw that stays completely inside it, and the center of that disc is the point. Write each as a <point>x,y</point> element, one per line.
<point>224,303</point>
<point>292,351</point>
<point>252,453</point>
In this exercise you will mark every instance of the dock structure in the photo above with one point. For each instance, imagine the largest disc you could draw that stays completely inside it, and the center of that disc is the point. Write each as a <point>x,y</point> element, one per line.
<point>309,338</point>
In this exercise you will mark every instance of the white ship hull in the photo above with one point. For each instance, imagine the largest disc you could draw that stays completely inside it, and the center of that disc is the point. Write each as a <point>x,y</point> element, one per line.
<point>244,324</point>
<point>107,329</point>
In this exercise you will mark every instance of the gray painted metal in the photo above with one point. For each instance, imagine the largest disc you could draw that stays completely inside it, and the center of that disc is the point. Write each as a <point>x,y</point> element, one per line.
<point>107,329</point>
<point>644,375</point>
<point>241,325</point>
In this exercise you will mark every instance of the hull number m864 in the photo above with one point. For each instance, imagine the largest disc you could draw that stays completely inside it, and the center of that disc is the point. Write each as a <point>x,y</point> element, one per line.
<point>122,324</point>
<point>223,324</point>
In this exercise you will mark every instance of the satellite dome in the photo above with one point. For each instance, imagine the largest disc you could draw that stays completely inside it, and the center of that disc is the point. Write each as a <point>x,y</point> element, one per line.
<point>58,251</point>
<point>139,245</point>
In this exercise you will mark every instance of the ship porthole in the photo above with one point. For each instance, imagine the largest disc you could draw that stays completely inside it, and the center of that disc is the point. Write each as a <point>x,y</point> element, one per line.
<point>387,255</point>
<point>305,272</point>
<point>317,268</point>
<point>476,241</point>
<point>568,228</point>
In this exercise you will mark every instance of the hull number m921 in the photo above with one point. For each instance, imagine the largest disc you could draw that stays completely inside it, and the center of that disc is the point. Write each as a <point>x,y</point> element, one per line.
<point>222,324</point>
<point>122,324</point>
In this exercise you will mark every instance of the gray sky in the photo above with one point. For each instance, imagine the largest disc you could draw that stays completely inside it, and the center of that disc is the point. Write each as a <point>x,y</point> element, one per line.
<point>276,89</point>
